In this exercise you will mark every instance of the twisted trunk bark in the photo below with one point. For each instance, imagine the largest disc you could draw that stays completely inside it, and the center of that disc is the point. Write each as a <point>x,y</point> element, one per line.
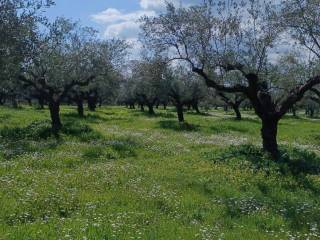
<point>237,112</point>
<point>92,103</point>
<point>41,102</point>
<point>54,106</point>
<point>196,108</point>
<point>269,132</point>
<point>179,108</point>
<point>80,107</point>
<point>150,111</point>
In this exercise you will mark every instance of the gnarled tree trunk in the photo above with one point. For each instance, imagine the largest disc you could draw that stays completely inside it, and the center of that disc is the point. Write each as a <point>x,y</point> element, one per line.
<point>164,106</point>
<point>237,111</point>
<point>41,102</point>
<point>150,109</point>
<point>196,107</point>
<point>80,107</point>
<point>269,132</point>
<point>179,108</point>
<point>92,103</point>
<point>54,106</point>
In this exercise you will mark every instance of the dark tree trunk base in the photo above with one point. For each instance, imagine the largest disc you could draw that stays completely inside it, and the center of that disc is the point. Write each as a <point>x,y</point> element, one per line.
<point>55,116</point>
<point>80,108</point>
<point>151,111</point>
<point>237,112</point>
<point>179,108</point>
<point>269,136</point>
<point>196,108</point>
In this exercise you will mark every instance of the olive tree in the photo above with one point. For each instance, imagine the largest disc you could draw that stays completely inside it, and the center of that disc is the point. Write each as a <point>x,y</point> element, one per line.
<point>149,77</point>
<point>19,20</point>
<point>221,37</point>
<point>234,101</point>
<point>109,57</point>
<point>64,57</point>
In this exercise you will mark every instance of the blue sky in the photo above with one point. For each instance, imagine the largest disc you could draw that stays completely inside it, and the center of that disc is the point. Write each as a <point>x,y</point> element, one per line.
<point>113,18</point>
<point>83,10</point>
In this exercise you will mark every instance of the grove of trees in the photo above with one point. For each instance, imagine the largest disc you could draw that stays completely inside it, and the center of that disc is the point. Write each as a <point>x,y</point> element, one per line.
<point>260,55</point>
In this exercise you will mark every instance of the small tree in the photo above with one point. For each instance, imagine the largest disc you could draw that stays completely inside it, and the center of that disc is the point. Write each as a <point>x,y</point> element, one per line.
<point>109,55</point>
<point>148,75</point>
<point>234,101</point>
<point>179,92</point>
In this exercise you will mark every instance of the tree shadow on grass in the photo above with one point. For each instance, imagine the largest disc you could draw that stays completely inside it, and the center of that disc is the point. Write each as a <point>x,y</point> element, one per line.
<point>36,137</point>
<point>293,161</point>
<point>199,114</point>
<point>176,126</point>
<point>81,131</point>
<point>227,129</point>
<point>90,118</point>
<point>37,130</point>
<point>39,137</point>
<point>294,170</point>
<point>5,117</point>
<point>111,149</point>
<point>156,115</point>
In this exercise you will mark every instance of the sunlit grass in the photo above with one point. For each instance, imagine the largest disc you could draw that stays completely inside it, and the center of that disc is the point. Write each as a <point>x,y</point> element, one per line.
<point>120,174</point>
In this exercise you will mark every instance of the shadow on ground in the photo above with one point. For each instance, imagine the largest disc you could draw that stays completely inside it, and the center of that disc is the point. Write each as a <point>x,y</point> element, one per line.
<point>156,115</point>
<point>293,161</point>
<point>176,126</point>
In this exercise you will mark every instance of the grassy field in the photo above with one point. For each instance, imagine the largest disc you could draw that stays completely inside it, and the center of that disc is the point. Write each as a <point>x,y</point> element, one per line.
<point>120,174</point>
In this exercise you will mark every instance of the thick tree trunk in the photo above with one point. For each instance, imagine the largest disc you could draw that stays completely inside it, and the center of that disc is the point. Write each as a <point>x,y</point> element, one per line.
<point>14,102</point>
<point>142,107</point>
<point>196,107</point>
<point>54,107</point>
<point>29,101</point>
<point>179,108</point>
<point>237,112</point>
<point>269,132</point>
<point>150,111</point>
<point>92,103</point>
<point>80,107</point>
<point>2,99</point>
<point>165,106</point>
<point>41,102</point>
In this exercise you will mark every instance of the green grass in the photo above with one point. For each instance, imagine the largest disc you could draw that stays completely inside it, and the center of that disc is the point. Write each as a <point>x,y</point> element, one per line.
<point>120,174</point>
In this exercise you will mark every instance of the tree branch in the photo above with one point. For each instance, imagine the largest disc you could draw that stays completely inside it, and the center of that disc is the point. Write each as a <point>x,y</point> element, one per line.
<point>297,94</point>
<point>219,87</point>
<point>69,86</point>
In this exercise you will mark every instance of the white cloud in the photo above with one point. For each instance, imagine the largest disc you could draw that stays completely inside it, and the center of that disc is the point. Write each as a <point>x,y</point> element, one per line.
<point>155,4</point>
<point>120,24</point>
<point>125,29</point>
<point>112,15</point>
